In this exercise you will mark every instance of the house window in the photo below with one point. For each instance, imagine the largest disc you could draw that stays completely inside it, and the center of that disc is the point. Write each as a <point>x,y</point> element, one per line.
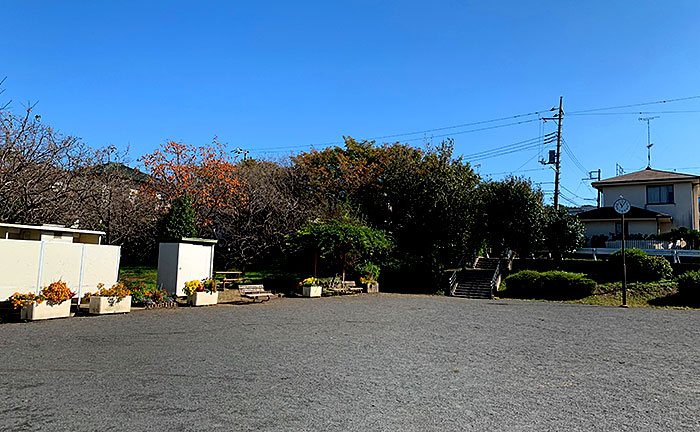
<point>618,229</point>
<point>660,194</point>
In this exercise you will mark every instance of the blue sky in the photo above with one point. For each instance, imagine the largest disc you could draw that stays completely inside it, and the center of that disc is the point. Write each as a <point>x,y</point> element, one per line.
<point>276,77</point>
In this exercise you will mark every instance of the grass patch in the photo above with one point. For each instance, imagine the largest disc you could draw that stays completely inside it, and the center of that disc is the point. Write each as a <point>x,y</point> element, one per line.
<point>639,294</point>
<point>277,280</point>
<point>134,275</point>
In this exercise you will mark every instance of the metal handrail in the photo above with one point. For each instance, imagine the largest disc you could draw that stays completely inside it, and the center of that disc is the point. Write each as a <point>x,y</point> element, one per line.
<point>453,277</point>
<point>496,274</point>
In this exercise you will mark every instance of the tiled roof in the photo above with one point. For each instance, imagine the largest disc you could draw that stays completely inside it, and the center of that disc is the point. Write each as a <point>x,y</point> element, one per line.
<point>610,213</point>
<point>647,175</point>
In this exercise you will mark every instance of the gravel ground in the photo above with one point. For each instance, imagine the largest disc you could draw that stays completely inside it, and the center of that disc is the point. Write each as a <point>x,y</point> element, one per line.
<point>359,363</point>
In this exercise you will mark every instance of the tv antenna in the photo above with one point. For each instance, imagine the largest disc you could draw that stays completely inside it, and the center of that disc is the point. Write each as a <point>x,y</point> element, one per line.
<point>619,170</point>
<point>240,151</point>
<point>649,143</point>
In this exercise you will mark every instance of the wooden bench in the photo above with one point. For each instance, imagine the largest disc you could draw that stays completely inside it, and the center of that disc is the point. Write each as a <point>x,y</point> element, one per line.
<point>352,287</point>
<point>255,292</point>
<point>348,287</point>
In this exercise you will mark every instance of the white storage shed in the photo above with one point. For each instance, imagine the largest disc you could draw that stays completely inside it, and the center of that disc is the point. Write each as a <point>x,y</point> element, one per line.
<point>182,261</point>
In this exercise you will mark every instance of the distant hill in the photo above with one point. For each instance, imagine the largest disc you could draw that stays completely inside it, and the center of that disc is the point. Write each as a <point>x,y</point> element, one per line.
<point>121,170</point>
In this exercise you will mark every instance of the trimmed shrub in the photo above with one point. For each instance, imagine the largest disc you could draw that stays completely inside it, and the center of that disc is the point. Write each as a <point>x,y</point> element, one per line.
<point>523,282</point>
<point>689,285</point>
<point>551,285</point>
<point>640,266</point>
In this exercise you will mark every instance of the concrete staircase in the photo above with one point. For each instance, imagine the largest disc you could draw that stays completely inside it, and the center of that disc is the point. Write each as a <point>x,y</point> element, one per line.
<point>476,282</point>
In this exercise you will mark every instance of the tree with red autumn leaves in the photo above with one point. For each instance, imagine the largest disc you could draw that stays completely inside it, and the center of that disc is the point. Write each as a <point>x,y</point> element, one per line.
<point>207,174</point>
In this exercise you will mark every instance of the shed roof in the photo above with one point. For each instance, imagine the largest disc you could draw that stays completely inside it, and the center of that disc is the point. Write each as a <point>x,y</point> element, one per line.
<point>605,213</point>
<point>648,175</point>
<point>47,227</point>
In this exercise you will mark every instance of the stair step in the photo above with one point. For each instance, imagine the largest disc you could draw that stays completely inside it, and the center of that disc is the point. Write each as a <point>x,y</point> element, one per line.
<point>474,296</point>
<point>476,283</point>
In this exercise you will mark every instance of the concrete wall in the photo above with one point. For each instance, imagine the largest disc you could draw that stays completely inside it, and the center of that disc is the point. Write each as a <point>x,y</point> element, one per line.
<point>684,210</point>
<point>182,262</point>
<point>27,266</point>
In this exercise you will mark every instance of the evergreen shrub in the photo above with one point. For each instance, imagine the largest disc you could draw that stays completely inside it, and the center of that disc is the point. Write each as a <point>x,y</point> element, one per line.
<point>640,266</point>
<point>689,284</point>
<point>551,285</point>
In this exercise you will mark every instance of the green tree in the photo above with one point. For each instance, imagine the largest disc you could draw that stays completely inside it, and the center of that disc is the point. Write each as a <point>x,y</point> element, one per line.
<point>179,222</point>
<point>341,243</point>
<point>510,215</point>
<point>563,232</point>
<point>424,197</point>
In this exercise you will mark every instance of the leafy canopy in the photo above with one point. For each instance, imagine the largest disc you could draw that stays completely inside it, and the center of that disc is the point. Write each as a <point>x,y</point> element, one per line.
<point>342,243</point>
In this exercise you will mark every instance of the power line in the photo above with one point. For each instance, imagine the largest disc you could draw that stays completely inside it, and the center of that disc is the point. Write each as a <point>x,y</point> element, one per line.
<point>425,131</point>
<point>570,201</point>
<point>573,157</point>
<point>518,144</point>
<point>634,105</point>
<point>637,113</point>
<point>592,111</point>
<point>577,196</point>
<point>517,171</point>
<point>469,131</point>
<point>457,126</point>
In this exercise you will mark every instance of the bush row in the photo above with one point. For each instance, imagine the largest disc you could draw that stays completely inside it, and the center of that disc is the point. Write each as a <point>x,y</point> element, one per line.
<point>551,285</point>
<point>639,268</point>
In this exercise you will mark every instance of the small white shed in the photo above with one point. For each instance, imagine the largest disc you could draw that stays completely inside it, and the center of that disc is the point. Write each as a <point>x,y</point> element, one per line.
<point>182,261</point>
<point>33,256</point>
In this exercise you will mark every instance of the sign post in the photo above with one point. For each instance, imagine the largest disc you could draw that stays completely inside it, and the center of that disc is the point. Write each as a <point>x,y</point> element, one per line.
<point>622,206</point>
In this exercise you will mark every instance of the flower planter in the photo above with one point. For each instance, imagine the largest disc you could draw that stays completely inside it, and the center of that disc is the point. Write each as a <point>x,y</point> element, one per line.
<point>203,298</point>
<point>108,305</point>
<point>42,311</point>
<point>311,291</point>
<point>372,287</point>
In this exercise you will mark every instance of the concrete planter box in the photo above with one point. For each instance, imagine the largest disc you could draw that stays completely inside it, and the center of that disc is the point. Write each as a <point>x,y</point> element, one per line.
<point>108,305</point>
<point>311,291</point>
<point>203,299</point>
<point>42,311</point>
<point>372,287</point>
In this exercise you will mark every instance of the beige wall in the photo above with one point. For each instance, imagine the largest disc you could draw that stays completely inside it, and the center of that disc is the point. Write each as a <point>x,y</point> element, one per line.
<point>684,211</point>
<point>19,266</point>
<point>608,227</point>
<point>22,270</point>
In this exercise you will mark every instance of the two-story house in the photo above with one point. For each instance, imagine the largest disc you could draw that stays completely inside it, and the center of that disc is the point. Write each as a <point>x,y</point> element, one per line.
<point>661,201</point>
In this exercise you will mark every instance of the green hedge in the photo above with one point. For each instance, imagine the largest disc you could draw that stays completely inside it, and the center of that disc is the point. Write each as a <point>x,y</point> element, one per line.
<point>642,267</point>
<point>689,285</point>
<point>551,285</point>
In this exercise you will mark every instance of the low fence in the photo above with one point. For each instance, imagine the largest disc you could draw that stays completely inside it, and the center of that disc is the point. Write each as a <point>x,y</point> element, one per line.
<point>639,244</point>
<point>674,255</point>
<point>28,265</point>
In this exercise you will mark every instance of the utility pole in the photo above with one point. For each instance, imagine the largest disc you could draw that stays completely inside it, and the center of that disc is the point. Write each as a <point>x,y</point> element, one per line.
<point>557,162</point>
<point>598,189</point>
<point>649,144</point>
<point>592,176</point>
<point>557,168</point>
